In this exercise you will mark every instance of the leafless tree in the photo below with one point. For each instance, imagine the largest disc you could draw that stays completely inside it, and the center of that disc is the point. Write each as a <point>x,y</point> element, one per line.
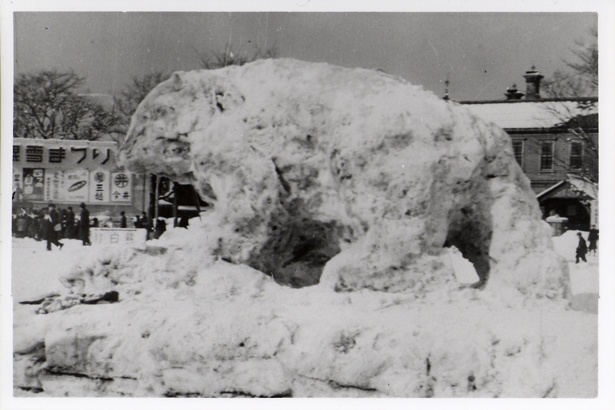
<point>579,117</point>
<point>212,60</point>
<point>47,105</point>
<point>129,98</point>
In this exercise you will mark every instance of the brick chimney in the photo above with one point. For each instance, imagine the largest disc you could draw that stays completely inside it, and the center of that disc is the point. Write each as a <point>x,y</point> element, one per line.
<point>512,93</point>
<point>532,79</point>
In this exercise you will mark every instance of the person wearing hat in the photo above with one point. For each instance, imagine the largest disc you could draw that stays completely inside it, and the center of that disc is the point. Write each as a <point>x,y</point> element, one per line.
<point>581,248</point>
<point>53,227</point>
<point>70,223</point>
<point>85,225</point>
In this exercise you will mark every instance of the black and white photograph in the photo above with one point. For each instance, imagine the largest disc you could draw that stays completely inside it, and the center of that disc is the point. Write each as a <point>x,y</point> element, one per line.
<point>301,202</point>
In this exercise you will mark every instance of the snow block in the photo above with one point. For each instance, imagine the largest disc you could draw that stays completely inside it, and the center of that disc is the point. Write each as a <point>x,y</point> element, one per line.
<point>349,177</point>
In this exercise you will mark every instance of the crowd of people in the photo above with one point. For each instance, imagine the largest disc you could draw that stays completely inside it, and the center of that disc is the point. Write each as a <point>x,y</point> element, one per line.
<point>51,224</point>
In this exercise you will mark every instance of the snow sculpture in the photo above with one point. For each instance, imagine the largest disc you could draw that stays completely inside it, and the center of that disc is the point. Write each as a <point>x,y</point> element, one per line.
<point>349,174</point>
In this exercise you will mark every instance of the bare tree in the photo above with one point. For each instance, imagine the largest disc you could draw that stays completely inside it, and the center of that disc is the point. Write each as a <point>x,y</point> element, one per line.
<point>579,115</point>
<point>581,80</point>
<point>227,57</point>
<point>129,98</point>
<point>47,105</point>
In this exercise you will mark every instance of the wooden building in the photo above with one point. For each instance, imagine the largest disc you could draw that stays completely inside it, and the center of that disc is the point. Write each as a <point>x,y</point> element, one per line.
<point>555,141</point>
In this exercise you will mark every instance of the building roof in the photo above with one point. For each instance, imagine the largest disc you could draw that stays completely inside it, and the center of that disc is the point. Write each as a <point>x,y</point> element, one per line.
<point>577,184</point>
<point>518,114</point>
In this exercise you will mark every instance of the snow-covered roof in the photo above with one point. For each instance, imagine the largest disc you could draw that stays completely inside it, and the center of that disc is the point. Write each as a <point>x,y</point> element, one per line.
<point>577,183</point>
<point>531,113</point>
<point>580,184</point>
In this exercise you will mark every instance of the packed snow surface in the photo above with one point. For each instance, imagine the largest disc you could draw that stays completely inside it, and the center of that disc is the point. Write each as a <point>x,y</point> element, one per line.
<point>366,239</point>
<point>228,330</point>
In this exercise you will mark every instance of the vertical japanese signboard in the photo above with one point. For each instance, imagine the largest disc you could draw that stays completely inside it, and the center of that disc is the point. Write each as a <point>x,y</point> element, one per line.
<point>594,213</point>
<point>99,186</point>
<point>121,187</point>
<point>54,180</point>
<point>17,184</point>
<point>33,184</point>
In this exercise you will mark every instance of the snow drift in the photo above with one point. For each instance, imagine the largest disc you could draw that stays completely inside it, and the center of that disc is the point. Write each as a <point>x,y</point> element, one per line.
<point>374,201</point>
<point>352,174</point>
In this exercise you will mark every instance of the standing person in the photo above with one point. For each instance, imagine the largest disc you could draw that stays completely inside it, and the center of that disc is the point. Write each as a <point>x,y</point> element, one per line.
<point>54,226</point>
<point>581,248</point>
<point>70,223</point>
<point>145,225</point>
<point>144,221</point>
<point>22,224</point>
<point>161,227</point>
<point>123,222</point>
<point>62,232</point>
<point>593,239</point>
<point>85,225</point>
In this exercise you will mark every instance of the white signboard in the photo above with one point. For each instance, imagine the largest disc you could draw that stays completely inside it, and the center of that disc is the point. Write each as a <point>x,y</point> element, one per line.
<point>118,237</point>
<point>99,186</point>
<point>594,213</point>
<point>121,187</point>
<point>17,176</point>
<point>75,186</point>
<point>54,179</point>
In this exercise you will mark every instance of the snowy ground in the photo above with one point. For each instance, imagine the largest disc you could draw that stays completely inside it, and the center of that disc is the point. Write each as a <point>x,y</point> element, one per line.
<point>371,337</point>
<point>36,272</point>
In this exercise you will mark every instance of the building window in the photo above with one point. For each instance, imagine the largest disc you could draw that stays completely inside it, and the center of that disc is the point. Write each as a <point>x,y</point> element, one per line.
<point>576,155</point>
<point>518,151</point>
<point>546,156</point>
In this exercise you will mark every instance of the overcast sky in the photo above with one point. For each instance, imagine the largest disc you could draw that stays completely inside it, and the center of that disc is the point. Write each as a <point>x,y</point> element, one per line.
<point>482,53</point>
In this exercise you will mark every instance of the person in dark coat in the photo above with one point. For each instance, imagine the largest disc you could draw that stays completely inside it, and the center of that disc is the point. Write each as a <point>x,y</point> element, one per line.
<point>161,227</point>
<point>581,248</point>
<point>53,227</point>
<point>593,239</point>
<point>123,222</point>
<point>70,223</point>
<point>144,221</point>
<point>85,225</point>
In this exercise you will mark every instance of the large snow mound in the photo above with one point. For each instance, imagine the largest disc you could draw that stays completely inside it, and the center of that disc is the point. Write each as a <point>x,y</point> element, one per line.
<point>351,174</point>
<point>389,201</point>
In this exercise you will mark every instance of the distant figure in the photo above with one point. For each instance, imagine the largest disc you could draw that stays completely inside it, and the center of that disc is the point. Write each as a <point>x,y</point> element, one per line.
<point>593,239</point>
<point>85,225</point>
<point>123,222</point>
<point>144,221</point>
<point>161,227</point>
<point>183,222</point>
<point>70,223</point>
<point>53,226</point>
<point>22,224</point>
<point>138,223</point>
<point>581,248</point>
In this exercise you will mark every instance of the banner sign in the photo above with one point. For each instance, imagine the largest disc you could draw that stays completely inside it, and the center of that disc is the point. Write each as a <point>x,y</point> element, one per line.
<point>99,186</point>
<point>33,184</point>
<point>118,237</point>
<point>63,154</point>
<point>121,187</point>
